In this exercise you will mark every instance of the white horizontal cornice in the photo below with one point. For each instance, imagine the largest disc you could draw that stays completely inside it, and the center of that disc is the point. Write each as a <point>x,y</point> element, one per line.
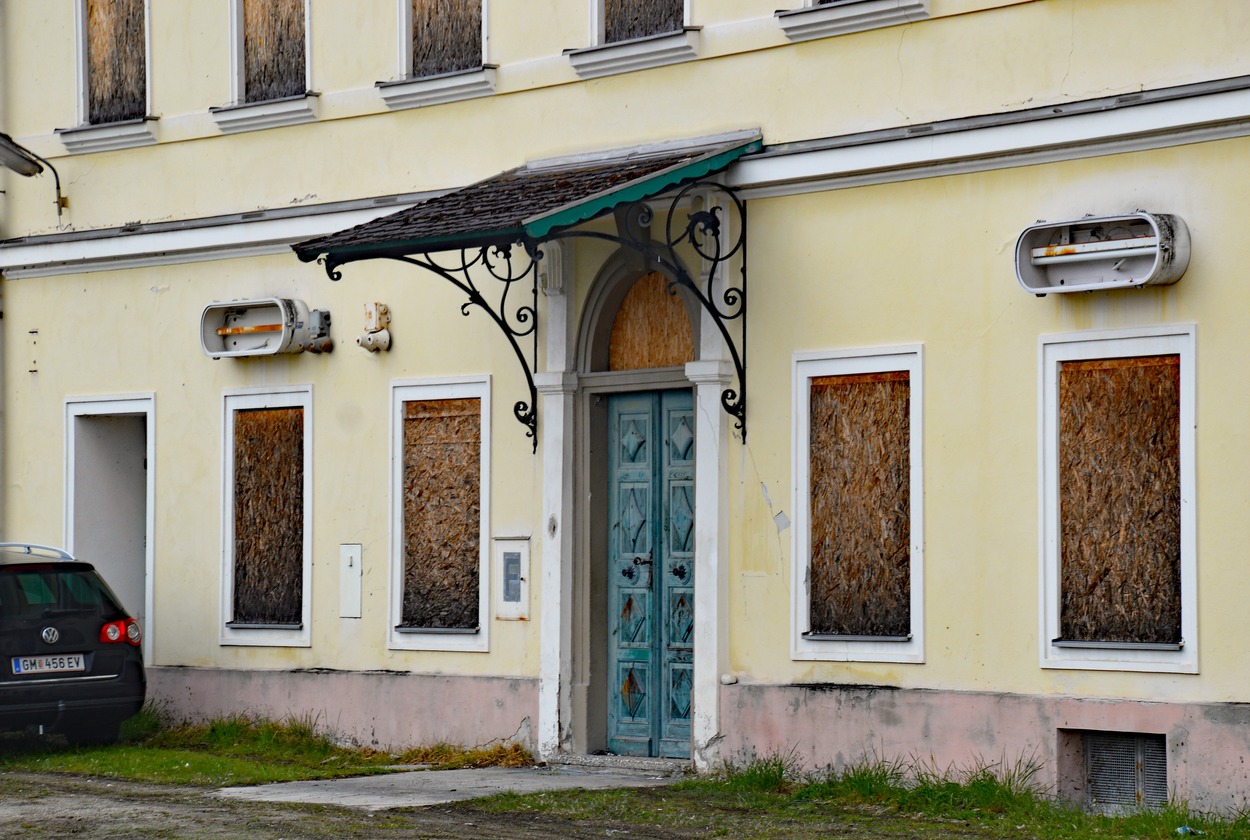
<point>1155,119</point>
<point>1114,125</point>
<point>174,244</point>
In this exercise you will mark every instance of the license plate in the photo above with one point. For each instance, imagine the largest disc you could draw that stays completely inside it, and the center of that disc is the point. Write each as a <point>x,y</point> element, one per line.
<point>48,664</point>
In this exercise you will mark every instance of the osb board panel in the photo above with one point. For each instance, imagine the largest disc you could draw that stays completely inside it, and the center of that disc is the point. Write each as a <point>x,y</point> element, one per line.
<point>442,513</point>
<point>861,504</point>
<point>273,49</point>
<point>1119,499</point>
<point>625,19</point>
<point>116,61</point>
<point>651,329</point>
<point>269,516</point>
<point>446,36</point>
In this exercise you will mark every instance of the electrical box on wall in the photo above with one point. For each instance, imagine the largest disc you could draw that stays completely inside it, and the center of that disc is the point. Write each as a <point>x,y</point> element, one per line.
<point>263,327</point>
<point>1101,253</point>
<point>512,564</point>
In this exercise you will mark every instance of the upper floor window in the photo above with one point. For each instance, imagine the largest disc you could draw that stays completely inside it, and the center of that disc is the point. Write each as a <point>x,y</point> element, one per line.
<point>114,63</point>
<point>271,49</point>
<point>628,35</point>
<point>446,36</point>
<point>625,20</point>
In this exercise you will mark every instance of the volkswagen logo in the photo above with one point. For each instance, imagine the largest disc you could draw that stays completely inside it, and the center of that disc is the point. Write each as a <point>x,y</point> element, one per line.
<point>50,635</point>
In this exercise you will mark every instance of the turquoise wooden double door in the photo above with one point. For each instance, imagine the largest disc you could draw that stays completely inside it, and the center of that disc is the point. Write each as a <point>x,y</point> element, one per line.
<point>650,573</point>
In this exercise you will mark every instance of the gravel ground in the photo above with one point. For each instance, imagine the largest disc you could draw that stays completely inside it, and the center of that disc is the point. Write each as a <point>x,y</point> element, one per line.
<point>53,806</point>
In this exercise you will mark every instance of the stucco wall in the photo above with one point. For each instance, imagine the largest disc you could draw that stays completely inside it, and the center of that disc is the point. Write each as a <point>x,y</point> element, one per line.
<point>833,726</point>
<point>388,710</point>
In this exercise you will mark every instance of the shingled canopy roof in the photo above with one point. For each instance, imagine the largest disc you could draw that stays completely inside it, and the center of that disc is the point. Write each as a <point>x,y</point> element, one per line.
<point>529,203</point>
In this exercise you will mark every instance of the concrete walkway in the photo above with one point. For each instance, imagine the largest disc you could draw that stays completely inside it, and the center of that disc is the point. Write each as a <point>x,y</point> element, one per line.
<point>416,787</point>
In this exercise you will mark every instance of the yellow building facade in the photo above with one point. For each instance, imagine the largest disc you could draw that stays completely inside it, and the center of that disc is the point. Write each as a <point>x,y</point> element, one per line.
<point>874,367</point>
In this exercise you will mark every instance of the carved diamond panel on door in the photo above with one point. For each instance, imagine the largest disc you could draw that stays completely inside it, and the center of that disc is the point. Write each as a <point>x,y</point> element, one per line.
<point>651,572</point>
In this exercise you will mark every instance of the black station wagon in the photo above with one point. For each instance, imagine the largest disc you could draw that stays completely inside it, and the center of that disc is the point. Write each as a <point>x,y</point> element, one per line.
<point>70,657</point>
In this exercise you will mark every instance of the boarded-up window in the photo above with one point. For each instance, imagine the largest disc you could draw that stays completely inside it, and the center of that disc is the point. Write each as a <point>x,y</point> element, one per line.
<point>268,516</point>
<point>446,36</point>
<point>860,497</point>
<point>116,61</point>
<point>442,513</point>
<point>626,19</point>
<point>273,49</point>
<point>1119,498</point>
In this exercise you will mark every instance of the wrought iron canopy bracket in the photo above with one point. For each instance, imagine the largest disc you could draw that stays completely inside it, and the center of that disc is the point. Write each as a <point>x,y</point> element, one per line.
<point>715,241</point>
<point>505,301</point>
<point>511,301</point>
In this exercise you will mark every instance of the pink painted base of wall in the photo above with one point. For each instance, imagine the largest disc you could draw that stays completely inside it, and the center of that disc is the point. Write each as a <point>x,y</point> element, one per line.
<point>385,710</point>
<point>1208,745</point>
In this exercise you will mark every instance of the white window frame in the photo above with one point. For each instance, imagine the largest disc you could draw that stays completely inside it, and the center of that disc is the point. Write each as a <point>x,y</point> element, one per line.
<point>453,388</point>
<point>409,91</point>
<point>80,34</point>
<point>238,84</point>
<point>805,367</point>
<point>405,38</point>
<point>106,137</point>
<point>598,20</point>
<point>1053,350</point>
<point>252,398</point>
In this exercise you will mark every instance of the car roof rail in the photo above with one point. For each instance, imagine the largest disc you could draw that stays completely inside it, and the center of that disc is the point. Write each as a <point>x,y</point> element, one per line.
<point>36,549</point>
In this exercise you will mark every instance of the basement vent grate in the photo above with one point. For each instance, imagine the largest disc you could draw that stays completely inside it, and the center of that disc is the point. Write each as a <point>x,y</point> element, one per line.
<point>1126,770</point>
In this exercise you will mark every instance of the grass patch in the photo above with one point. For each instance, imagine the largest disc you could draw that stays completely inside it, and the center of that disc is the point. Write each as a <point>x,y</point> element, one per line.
<point>770,797</point>
<point>236,750</point>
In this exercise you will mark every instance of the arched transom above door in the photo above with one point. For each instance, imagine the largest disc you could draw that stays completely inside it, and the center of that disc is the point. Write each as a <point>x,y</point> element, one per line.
<point>651,328</point>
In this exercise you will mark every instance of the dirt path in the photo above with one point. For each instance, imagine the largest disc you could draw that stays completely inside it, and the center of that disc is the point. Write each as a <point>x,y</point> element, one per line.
<point>52,806</point>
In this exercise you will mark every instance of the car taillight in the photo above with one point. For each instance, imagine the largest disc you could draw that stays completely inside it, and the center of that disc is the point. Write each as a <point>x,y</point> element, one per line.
<point>126,630</point>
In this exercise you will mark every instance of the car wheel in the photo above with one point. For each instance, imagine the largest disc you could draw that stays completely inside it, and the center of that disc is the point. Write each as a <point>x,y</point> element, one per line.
<point>93,735</point>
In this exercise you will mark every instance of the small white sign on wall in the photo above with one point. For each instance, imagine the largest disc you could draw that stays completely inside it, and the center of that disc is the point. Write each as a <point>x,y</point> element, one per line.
<point>512,571</point>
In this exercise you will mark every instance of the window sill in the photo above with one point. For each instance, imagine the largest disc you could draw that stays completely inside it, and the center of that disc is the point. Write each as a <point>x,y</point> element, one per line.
<point>273,113</point>
<point>636,54</point>
<point>108,137</point>
<point>846,16</point>
<point>435,90</point>
<point>820,648</point>
<point>265,635</point>
<point>440,631</point>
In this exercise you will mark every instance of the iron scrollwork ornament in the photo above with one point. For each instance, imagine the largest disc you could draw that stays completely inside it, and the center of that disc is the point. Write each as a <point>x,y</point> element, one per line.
<point>510,299</point>
<point>706,233</point>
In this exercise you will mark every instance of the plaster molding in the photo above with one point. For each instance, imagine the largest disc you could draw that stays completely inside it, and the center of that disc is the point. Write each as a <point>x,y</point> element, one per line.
<point>255,116</point>
<point>845,16</point>
<point>636,54</point>
<point>435,90</point>
<point>108,137</point>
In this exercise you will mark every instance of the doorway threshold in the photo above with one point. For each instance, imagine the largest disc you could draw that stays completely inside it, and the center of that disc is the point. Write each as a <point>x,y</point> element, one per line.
<point>655,766</point>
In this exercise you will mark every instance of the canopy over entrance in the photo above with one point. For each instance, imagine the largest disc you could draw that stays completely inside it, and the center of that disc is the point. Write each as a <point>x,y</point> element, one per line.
<point>545,201</point>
